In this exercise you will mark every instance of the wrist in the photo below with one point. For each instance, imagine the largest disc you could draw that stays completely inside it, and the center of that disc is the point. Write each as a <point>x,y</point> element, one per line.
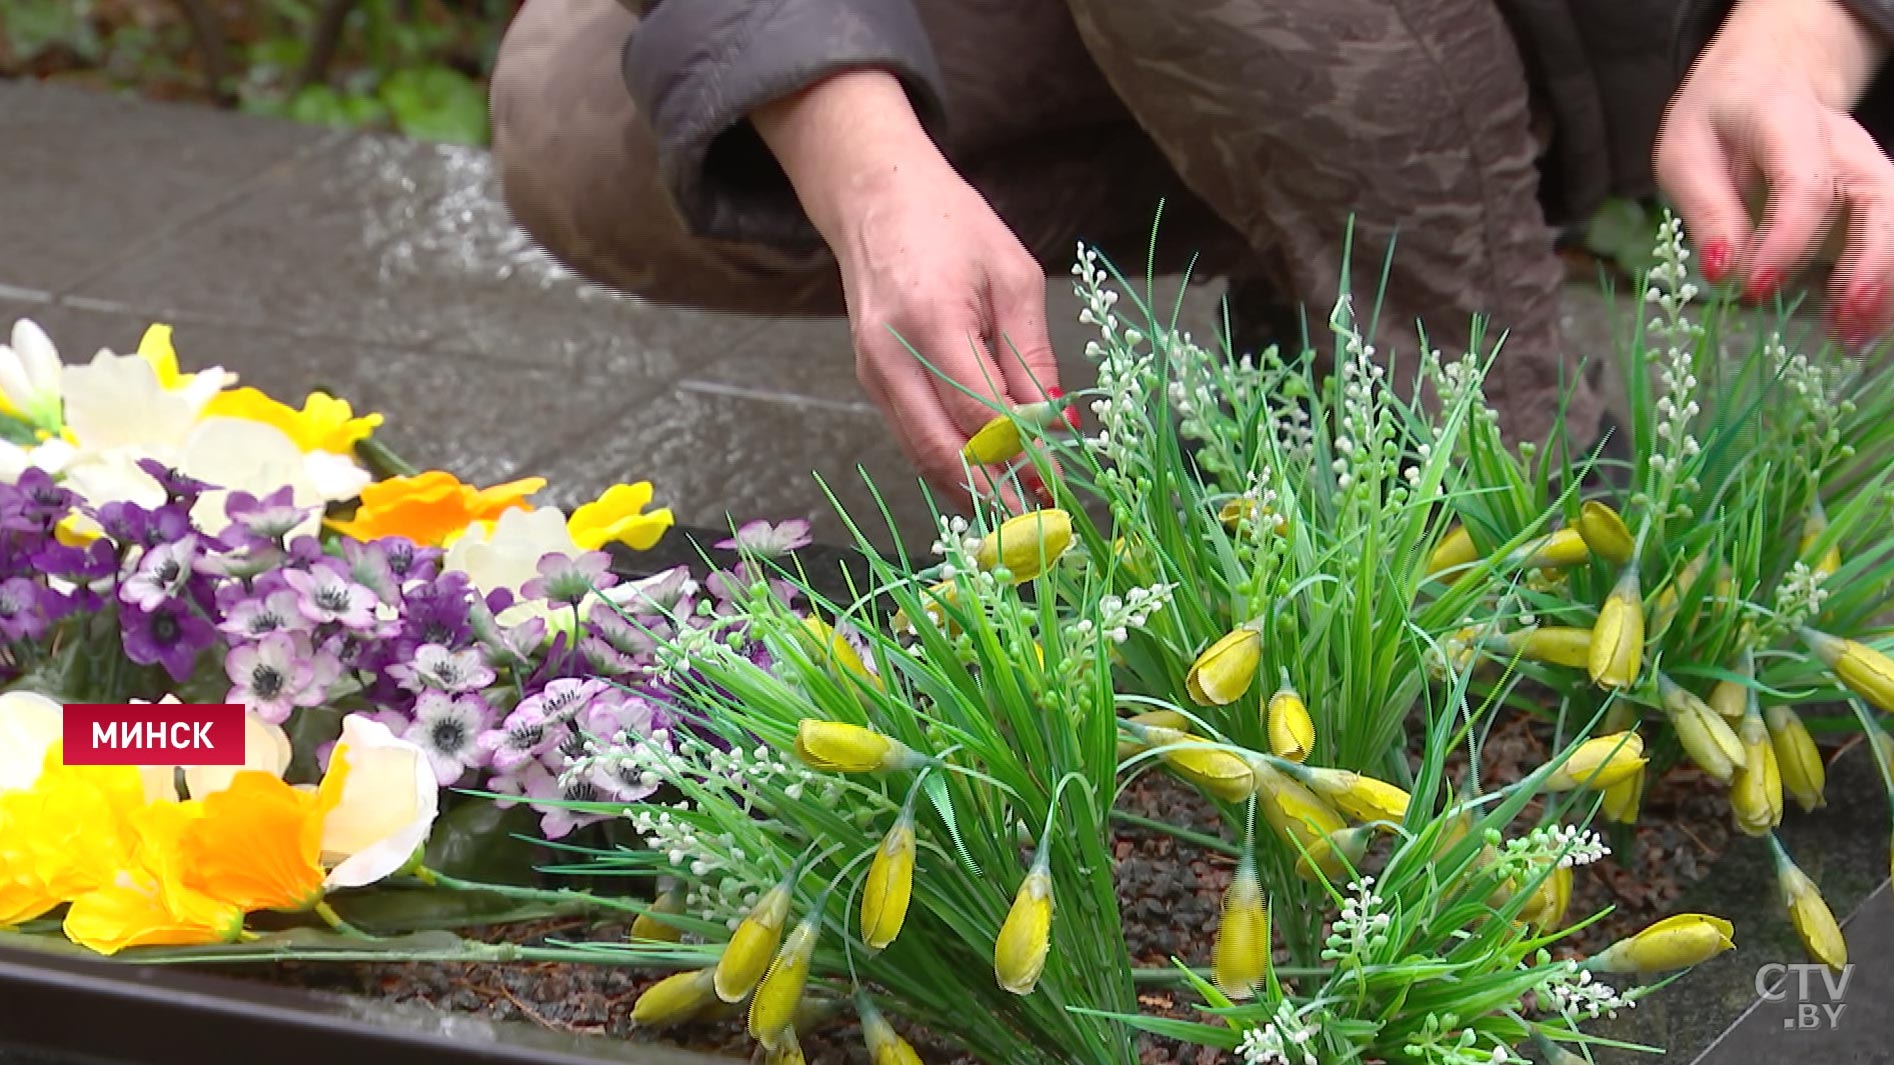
<point>846,142</point>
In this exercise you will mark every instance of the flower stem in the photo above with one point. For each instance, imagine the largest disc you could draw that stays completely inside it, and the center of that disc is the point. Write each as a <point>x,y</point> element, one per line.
<point>334,920</point>
<point>1185,834</point>
<point>559,896</point>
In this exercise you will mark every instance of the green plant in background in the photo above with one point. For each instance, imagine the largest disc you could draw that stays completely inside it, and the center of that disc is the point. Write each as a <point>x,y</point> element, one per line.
<point>1712,588</point>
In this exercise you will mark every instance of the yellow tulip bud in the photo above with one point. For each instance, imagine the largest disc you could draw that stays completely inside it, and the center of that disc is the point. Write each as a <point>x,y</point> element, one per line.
<point>1000,440</point>
<point>885,1046</point>
<point>787,1051</point>
<point>1019,954</point>
<point>1664,605</point>
<point>933,603</point>
<point>1813,526</point>
<point>1455,550</point>
<point>1673,943</point>
<point>650,925</point>
<point>1558,645</point>
<point>753,945</point>
<point>1600,762</point>
<point>1240,959</point>
<point>889,885</point>
<point>1730,699</point>
<point>839,747</point>
<point>1814,922</point>
<point>773,1009</point>
<point>1224,671</point>
<point>1605,533</point>
<point>839,653</point>
<point>1291,730</point>
<point>1617,639</point>
<point>1237,510</point>
<point>1756,790</point>
<point>1028,544</point>
<point>1217,771</point>
<point>1360,797</point>
<point>1706,737</point>
<point>675,999</point>
<point>1305,823</point>
<point>1169,720</point>
<point>1804,775</point>
<point>1555,550</point>
<point>1545,910</point>
<point>1864,670</point>
<point>1621,800</point>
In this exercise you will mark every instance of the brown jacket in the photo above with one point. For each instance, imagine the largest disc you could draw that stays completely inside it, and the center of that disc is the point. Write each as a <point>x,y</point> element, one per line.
<point>1602,69</point>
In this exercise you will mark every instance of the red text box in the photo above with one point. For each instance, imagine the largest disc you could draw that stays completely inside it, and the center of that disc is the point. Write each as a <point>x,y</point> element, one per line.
<point>154,734</point>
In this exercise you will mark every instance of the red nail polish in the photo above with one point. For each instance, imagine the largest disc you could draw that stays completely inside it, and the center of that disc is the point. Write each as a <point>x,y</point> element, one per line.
<point>1716,260</point>
<point>1036,487</point>
<point>1865,302</point>
<point>1763,285</point>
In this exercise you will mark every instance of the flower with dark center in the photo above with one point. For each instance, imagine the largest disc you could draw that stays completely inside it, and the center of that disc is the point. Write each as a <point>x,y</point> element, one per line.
<point>276,612</point>
<point>447,728</point>
<point>170,636</point>
<point>274,676</point>
<point>22,614</point>
<point>570,580</point>
<point>521,739</point>
<point>436,667</point>
<point>160,574</point>
<point>324,595</point>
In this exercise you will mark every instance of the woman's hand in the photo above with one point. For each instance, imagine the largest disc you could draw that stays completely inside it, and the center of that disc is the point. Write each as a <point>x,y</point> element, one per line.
<point>925,264</point>
<point>1764,117</point>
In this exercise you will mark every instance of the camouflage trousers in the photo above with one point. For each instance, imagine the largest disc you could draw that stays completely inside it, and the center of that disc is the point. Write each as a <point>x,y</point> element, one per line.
<point>1266,128</point>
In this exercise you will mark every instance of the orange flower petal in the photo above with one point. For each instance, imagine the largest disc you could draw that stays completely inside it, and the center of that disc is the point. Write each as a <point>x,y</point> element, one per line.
<point>257,846</point>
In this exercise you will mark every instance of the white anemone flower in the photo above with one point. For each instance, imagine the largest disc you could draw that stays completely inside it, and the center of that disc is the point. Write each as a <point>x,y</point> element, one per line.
<point>387,807</point>
<point>30,373</point>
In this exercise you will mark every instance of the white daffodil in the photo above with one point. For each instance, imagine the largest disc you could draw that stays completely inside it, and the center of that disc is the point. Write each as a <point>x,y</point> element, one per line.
<point>507,555</point>
<point>30,373</point>
<point>29,726</point>
<point>117,401</point>
<point>266,749</point>
<point>387,808</point>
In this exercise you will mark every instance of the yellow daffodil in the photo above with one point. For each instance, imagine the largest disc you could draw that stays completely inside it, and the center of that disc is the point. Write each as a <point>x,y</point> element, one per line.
<point>1605,533</point>
<point>1555,550</point>
<point>258,844</point>
<point>432,507</point>
<point>1291,730</point>
<point>753,945</point>
<point>889,885</point>
<point>618,517</point>
<point>1361,797</point>
<point>1019,953</point>
<point>1240,959</point>
<point>157,351</point>
<point>1622,800</point>
<point>1733,698</point>
<point>773,1007</point>
<point>1454,551</point>
<point>651,926</point>
<point>1664,605</point>
<point>838,653</point>
<point>1814,922</point>
<point>67,835</point>
<point>1225,670</point>
<point>934,600</point>
<point>1000,439</point>
<point>1677,942</point>
<point>324,423</point>
<point>787,1051</point>
<point>1864,670</point>
<point>1756,789</point>
<point>885,1046</point>
<point>1139,726</point>
<point>1027,545</point>
<point>1558,645</point>
<point>266,749</point>
<point>1545,910</point>
<point>1242,508</point>
<point>839,747</point>
<point>507,553</point>
<point>1804,775</point>
<point>676,999</point>
<point>1617,638</point>
<point>1813,527</point>
<point>1213,769</point>
<point>1599,763</point>
<point>149,903</point>
<point>1705,736</point>
<point>1303,820</point>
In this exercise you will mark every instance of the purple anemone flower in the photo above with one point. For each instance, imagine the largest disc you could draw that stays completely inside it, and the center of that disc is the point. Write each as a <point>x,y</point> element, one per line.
<point>448,728</point>
<point>324,596</point>
<point>23,611</point>
<point>160,574</point>
<point>438,667</point>
<point>273,676</point>
<point>569,580</point>
<point>261,615</point>
<point>171,636</point>
<point>760,539</point>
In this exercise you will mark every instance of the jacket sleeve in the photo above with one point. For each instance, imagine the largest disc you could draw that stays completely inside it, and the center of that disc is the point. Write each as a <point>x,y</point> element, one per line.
<point>697,68</point>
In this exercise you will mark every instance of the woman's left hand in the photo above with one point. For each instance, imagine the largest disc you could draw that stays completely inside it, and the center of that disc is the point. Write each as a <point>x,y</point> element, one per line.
<point>1764,115</point>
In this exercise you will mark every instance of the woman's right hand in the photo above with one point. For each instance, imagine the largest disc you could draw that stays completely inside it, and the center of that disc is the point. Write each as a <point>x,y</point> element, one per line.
<point>926,264</point>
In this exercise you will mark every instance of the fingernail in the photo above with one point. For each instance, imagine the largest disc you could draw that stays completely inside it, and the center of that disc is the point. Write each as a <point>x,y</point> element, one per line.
<point>1716,260</point>
<point>1036,486</point>
<point>1864,303</point>
<point>1763,285</point>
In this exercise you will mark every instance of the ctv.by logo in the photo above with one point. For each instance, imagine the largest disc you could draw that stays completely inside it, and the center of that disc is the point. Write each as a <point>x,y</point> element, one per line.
<point>1817,1001</point>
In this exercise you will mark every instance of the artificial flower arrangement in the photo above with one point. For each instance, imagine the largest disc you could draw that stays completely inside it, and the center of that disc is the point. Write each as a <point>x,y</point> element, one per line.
<point>1310,599</point>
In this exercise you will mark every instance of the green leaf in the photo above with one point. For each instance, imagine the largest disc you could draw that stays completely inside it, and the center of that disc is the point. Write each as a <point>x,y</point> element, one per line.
<point>436,103</point>
<point>393,910</point>
<point>478,840</point>
<point>936,788</point>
